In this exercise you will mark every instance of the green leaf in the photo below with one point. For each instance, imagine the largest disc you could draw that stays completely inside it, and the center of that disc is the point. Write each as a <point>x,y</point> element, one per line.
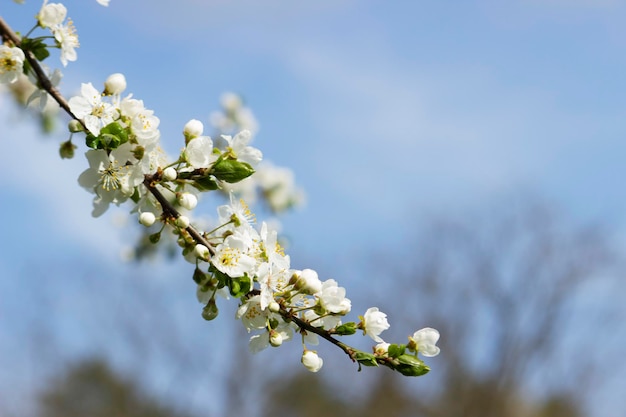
<point>37,47</point>
<point>231,170</point>
<point>206,184</point>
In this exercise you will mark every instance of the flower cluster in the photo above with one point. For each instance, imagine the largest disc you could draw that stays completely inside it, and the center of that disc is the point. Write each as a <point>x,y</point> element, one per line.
<point>235,259</point>
<point>52,16</point>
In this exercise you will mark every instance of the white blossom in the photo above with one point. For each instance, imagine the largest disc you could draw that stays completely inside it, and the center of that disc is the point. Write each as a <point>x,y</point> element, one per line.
<point>115,84</point>
<point>51,14</point>
<point>238,147</point>
<point>311,361</point>
<point>374,323</point>
<point>193,129</point>
<point>67,38</point>
<point>424,341</point>
<point>333,298</point>
<point>11,63</point>
<point>232,259</point>
<point>199,152</point>
<point>92,110</point>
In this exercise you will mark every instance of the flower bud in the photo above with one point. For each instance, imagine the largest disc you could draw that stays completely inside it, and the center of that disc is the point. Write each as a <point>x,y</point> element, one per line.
<point>381,349</point>
<point>66,150</point>
<point>274,307</point>
<point>147,218</point>
<point>170,174</point>
<point>114,84</point>
<point>276,339</point>
<point>182,222</point>
<point>187,200</point>
<point>308,282</point>
<point>74,126</point>
<point>210,311</point>
<point>193,129</point>
<point>311,361</point>
<point>201,251</point>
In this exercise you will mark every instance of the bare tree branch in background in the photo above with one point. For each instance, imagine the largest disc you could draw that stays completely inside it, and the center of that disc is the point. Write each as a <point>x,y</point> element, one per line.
<point>509,291</point>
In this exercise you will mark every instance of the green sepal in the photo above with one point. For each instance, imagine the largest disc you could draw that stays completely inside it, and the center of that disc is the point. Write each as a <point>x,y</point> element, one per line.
<point>112,136</point>
<point>222,278</point>
<point>409,365</point>
<point>366,359</point>
<point>91,141</point>
<point>239,286</point>
<point>231,170</point>
<point>396,350</point>
<point>345,329</point>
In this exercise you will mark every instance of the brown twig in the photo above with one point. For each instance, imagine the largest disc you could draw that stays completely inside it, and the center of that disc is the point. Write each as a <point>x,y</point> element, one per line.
<point>9,35</point>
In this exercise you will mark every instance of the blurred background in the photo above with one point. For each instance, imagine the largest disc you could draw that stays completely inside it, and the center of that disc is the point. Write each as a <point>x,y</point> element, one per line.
<point>463,166</point>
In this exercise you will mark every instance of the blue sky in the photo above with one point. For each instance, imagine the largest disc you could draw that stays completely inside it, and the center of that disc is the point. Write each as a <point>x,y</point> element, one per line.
<point>386,112</point>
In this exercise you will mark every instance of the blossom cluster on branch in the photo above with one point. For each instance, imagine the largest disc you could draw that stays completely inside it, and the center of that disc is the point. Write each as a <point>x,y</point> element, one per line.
<point>235,259</point>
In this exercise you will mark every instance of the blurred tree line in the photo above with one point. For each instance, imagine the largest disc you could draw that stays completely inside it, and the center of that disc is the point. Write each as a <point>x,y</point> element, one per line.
<point>525,303</point>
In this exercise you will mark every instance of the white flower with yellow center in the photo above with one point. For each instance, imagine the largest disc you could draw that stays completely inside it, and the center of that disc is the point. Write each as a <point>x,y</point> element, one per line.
<point>67,39</point>
<point>111,177</point>
<point>252,315</point>
<point>237,215</point>
<point>11,64</point>
<point>92,110</point>
<point>232,259</point>
<point>237,147</point>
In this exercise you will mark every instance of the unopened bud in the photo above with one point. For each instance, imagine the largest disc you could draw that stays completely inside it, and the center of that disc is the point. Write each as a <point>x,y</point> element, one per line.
<point>311,361</point>
<point>114,84</point>
<point>274,307</point>
<point>276,339</point>
<point>75,126</point>
<point>67,150</point>
<point>182,222</point>
<point>187,200</point>
<point>170,174</point>
<point>193,129</point>
<point>210,311</point>
<point>308,282</point>
<point>201,251</point>
<point>147,218</point>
